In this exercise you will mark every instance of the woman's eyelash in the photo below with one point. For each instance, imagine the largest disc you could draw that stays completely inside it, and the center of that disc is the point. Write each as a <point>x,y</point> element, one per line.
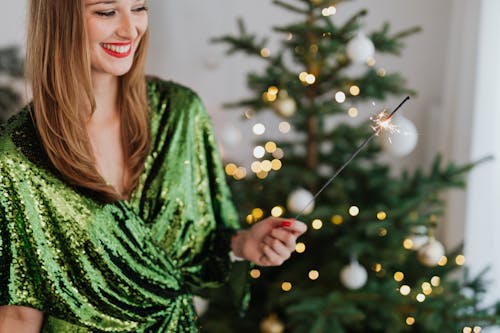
<point>106,13</point>
<point>140,9</point>
<point>112,12</point>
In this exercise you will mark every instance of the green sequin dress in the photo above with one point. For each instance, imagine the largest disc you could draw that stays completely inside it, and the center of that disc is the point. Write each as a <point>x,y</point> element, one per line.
<point>129,266</point>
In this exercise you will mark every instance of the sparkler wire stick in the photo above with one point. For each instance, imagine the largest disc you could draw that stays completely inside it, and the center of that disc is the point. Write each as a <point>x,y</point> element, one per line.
<point>376,132</point>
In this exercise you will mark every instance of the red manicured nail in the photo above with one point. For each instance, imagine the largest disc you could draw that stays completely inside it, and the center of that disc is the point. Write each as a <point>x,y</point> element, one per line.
<point>286,224</point>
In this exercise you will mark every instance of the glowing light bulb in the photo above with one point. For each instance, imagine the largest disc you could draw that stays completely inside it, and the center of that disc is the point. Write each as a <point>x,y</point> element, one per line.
<point>313,275</point>
<point>259,129</point>
<point>255,273</point>
<point>286,286</point>
<point>340,97</point>
<point>354,211</point>
<point>300,247</point>
<point>405,290</point>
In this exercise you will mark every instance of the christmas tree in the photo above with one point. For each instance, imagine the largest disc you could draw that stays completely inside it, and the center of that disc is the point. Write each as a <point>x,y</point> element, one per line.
<point>371,260</point>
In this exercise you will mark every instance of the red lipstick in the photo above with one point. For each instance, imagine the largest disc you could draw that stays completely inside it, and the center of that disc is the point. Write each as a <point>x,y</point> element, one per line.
<point>118,50</point>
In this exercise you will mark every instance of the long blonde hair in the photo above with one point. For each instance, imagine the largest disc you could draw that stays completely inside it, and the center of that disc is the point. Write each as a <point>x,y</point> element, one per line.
<point>58,65</point>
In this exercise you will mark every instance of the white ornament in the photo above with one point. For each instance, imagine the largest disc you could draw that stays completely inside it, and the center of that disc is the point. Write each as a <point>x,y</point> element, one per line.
<point>299,199</point>
<point>360,48</point>
<point>418,241</point>
<point>431,252</point>
<point>403,141</point>
<point>419,236</point>
<point>353,276</point>
<point>200,305</point>
<point>284,105</point>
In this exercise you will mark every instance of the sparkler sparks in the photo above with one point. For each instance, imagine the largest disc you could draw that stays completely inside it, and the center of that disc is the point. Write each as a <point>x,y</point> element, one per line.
<point>382,123</point>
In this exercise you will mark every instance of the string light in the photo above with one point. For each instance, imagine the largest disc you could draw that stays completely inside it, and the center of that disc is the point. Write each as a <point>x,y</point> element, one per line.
<point>284,127</point>
<point>250,219</point>
<point>381,72</point>
<point>300,247</point>
<point>377,267</point>
<point>270,147</point>
<point>279,153</point>
<point>265,52</point>
<point>259,129</point>
<point>286,286</point>
<point>231,169</point>
<point>337,219</point>
<point>410,321</point>
<point>257,213</point>
<point>420,298</point>
<point>310,78</point>
<point>277,211</point>
<point>435,281</point>
<point>408,244</point>
<point>371,62</point>
<point>276,164</point>
<point>426,288</point>
<point>256,167</point>
<point>313,275</point>
<point>262,174</point>
<point>354,90</point>
<point>354,211</point>
<point>467,329</point>
<point>382,232</point>
<point>307,78</point>
<point>317,224</point>
<point>381,216</point>
<point>477,329</point>
<point>340,97</point>
<point>240,173</point>
<point>266,165</point>
<point>460,260</point>
<point>255,273</point>
<point>329,11</point>
<point>259,152</point>
<point>443,261</point>
<point>399,276</point>
<point>353,112</point>
<point>405,290</point>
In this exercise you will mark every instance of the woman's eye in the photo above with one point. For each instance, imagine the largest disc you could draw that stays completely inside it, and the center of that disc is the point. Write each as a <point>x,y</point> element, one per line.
<point>140,9</point>
<point>106,13</point>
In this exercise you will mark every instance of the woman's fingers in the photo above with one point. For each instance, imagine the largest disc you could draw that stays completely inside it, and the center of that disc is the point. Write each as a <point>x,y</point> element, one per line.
<point>270,257</point>
<point>278,247</point>
<point>287,237</point>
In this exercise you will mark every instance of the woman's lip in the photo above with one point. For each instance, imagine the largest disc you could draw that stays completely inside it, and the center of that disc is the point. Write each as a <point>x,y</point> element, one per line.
<point>116,53</point>
<point>119,43</point>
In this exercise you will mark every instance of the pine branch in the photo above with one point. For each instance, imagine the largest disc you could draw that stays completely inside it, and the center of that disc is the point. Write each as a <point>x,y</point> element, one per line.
<point>289,7</point>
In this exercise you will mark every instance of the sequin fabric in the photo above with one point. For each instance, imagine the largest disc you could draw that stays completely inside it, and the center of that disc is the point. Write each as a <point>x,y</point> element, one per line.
<point>129,266</point>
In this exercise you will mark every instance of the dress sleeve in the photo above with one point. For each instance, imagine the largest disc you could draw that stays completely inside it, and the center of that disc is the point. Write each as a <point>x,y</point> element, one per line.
<point>211,185</point>
<point>20,277</point>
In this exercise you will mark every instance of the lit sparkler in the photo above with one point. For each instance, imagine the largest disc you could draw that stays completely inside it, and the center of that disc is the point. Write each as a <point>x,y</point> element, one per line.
<point>382,122</point>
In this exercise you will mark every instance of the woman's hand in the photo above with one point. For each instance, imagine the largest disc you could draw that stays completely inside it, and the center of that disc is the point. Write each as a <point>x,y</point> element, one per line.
<point>269,242</point>
<point>20,319</point>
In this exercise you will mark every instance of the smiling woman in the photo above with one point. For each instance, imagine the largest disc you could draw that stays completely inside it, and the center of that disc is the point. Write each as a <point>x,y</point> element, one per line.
<point>114,204</point>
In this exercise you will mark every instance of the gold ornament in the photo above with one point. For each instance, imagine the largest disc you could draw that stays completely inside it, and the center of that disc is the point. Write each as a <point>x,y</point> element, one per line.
<point>284,105</point>
<point>272,325</point>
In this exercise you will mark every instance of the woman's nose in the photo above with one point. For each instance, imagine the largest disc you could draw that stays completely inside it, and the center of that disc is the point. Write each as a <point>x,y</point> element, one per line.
<point>127,27</point>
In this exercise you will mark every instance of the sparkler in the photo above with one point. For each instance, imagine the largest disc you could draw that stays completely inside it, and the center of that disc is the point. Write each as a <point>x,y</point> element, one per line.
<point>382,122</point>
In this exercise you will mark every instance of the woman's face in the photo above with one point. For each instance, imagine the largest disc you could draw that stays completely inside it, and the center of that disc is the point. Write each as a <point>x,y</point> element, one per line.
<point>114,29</point>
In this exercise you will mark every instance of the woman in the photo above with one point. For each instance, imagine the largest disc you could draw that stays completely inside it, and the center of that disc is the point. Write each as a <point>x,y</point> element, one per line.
<point>113,203</point>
